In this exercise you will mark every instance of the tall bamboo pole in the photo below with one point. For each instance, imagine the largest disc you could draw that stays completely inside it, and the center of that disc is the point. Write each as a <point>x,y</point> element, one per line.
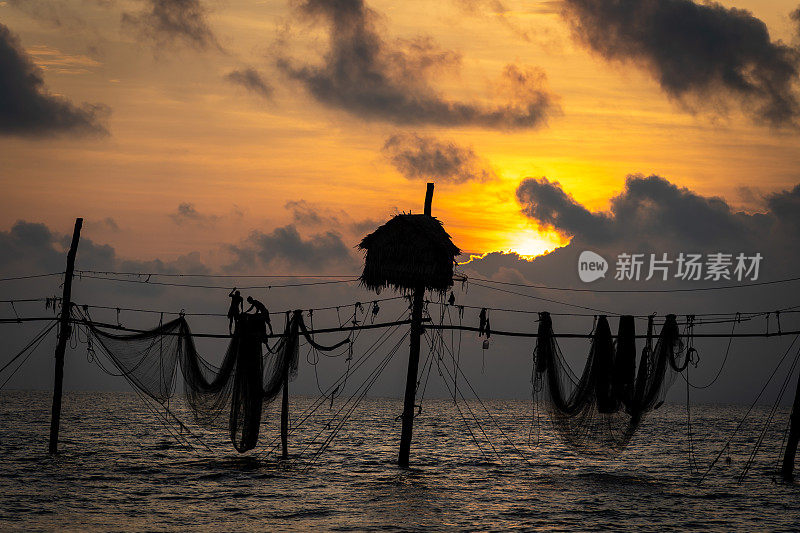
<point>64,331</point>
<point>413,358</point>
<point>794,437</point>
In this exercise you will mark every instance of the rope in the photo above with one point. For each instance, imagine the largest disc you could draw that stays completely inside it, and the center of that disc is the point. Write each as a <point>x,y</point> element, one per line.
<point>461,413</point>
<point>752,405</point>
<point>457,368</point>
<point>771,415</point>
<point>38,336</point>
<point>721,366</point>
<point>177,313</point>
<point>303,417</point>
<point>30,349</point>
<point>640,291</point>
<point>14,278</point>
<point>372,377</point>
<point>545,299</point>
<point>228,276</point>
<point>196,286</point>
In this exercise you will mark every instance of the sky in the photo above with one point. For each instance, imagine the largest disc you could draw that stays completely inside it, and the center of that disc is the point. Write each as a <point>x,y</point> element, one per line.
<point>254,137</point>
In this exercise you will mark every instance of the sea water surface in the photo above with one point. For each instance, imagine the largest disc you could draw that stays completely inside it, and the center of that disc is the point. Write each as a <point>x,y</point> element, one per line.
<point>121,469</point>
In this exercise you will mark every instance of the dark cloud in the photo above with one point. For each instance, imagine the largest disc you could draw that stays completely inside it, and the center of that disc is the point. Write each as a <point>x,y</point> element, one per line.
<point>374,79</point>
<point>170,21</point>
<point>285,246</point>
<point>427,158</point>
<point>190,263</point>
<point>785,205</point>
<point>188,214</point>
<point>363,227</point>
<point>105,224</point>
<point>551,207</point>
<point>648,208</point>
<point>306,214</point>
<point>312,215</point>
<point>252,80</point>
<point>28,109</point>
<point>702,55</point>
<point>32,248</point>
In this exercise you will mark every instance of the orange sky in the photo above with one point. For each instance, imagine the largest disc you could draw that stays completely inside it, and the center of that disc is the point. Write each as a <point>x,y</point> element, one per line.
<point>181,133</point>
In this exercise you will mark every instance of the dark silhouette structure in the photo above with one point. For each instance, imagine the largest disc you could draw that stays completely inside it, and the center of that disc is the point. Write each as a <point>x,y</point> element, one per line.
<point>245,382</point>
<point>410,253</point>
<point>598,412</point>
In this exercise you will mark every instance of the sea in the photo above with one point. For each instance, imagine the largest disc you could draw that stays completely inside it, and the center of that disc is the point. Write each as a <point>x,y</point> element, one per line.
<point>490,465</point>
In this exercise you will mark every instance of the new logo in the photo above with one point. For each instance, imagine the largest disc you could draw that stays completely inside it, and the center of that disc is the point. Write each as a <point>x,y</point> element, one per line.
<point>591,266</point>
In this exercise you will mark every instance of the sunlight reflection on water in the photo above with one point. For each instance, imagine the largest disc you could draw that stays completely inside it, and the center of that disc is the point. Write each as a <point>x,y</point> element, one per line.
<point>120,470</point>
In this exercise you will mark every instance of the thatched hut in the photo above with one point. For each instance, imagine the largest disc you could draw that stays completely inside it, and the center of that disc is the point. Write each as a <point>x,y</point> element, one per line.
<point>409,251</point>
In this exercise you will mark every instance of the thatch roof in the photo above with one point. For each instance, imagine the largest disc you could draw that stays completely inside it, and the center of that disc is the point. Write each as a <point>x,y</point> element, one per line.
<point>407,251</point>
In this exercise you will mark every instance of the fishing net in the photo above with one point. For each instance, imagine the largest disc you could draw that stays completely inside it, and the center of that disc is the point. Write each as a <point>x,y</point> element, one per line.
<point>247,379</point>
<point>598,412</point>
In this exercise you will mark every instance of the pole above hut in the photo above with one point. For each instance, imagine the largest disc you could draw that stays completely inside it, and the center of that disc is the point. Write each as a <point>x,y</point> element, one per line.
<point>410,253</point>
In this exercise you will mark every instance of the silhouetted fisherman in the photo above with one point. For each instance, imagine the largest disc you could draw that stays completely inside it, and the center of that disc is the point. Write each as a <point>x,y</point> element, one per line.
<point>261,311</point>
<point>482,325</point>
<point>237,304</point>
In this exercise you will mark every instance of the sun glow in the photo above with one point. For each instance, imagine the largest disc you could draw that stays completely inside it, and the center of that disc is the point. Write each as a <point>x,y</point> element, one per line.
<point>530,243</point>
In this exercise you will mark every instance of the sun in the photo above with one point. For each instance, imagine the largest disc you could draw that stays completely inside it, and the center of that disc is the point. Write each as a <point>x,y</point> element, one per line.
<point>530,243</point>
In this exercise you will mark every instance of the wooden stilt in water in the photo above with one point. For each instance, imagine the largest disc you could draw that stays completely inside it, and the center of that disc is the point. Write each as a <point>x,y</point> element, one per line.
<point>794,437</point>
<point>293,339</point>
<point>64,330</point>
<point>285,417</point>
<point>413,359</point>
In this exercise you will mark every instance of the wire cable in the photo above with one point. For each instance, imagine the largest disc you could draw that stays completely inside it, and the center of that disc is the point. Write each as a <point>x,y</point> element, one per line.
<point>641,291</point>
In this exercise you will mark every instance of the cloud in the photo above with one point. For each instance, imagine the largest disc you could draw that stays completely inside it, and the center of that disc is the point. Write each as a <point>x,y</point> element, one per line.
<point>365,226</point>
<point>188,214</point>
<point>304,213</point>
<point>427,158</point>
<point>702,55</point>
<point>374,79</point>
<point>648,209</point>
<point>551,207</point>
<point>32,248</point>
<point>252,80</point>
<point>500,11</point>
<point>542,7</point>
<point>785,205</point>
<point>165,22</point>
<point>105,224</point>
<point>285,246</point>
<point>28,109</point>
<point>51,12</point>
<point>54,60</point>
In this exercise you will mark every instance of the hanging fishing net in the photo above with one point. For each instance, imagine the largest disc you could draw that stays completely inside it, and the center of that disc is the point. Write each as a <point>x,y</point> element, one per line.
<point>247,379</point>
<point>598,412</point>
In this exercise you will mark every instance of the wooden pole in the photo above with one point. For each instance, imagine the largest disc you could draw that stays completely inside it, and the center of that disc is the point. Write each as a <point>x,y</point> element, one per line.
<point>64,331</point>
<point>293,340</point>
<point>413,359</point>
<point>285,417</point>
<point>794,437</point>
